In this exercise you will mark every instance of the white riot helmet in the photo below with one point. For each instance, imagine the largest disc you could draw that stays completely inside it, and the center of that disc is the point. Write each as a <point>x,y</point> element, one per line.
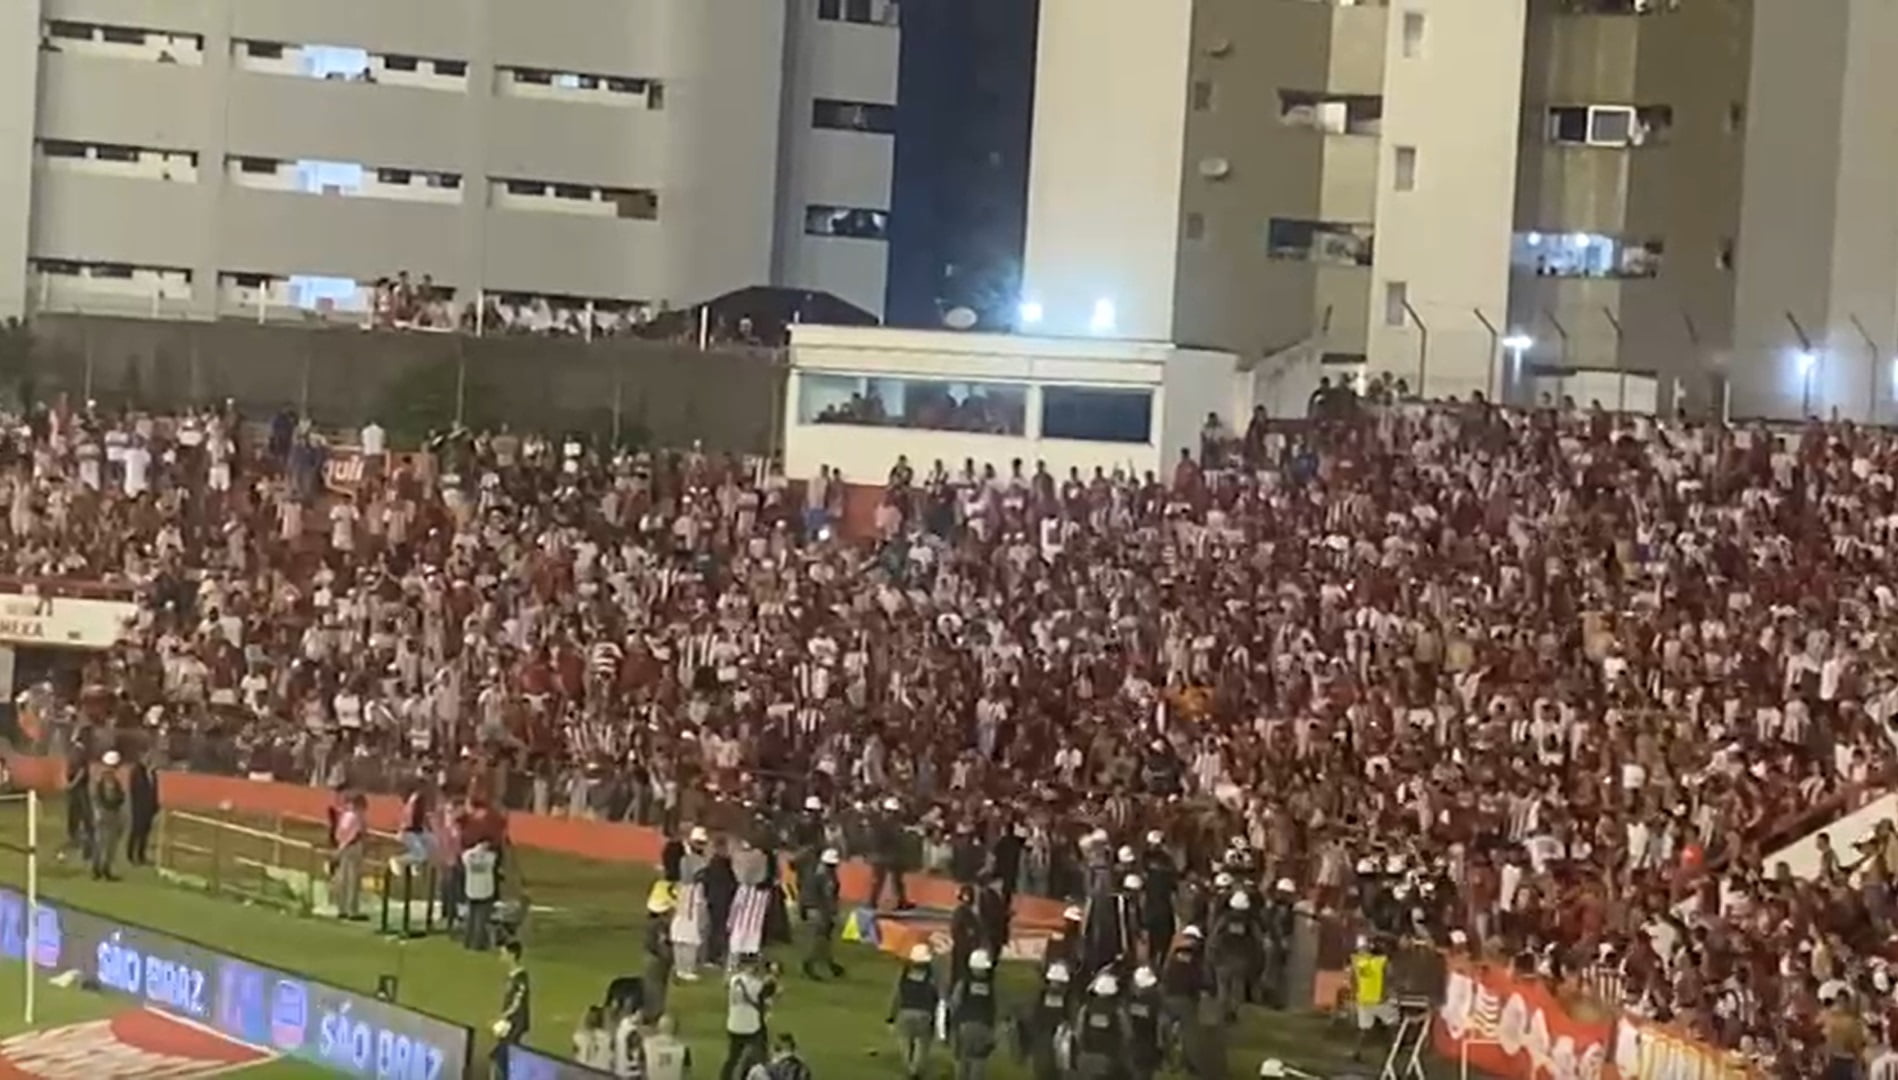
<point>1072,914</point>
<point>1105,985</point>
<point>1144,978</point>
<point>1126,855</point>
<point>1222,880</point>
<point>1272,1069</point>
<point>1057,972</point>
<point>830,857</point>
<point>979,960</point>
<point>1131,883</point>
<point>892,804</point>
<point>1285,886</point>
<point>1239,902</point>
<point>1154,838</point>
<point>1192,933</point>
<point>812,802</point>
<point>919,954</point>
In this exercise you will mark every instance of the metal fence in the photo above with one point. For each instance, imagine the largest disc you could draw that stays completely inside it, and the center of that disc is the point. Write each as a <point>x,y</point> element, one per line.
<point>633,391</point>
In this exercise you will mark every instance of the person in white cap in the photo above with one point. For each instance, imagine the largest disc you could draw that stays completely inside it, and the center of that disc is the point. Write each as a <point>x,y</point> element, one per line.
<point>1100,1031</point>
<point>972,1016</point>
<point>913,1011</point>
<point>1144,1012</point>
<point>820,897</point>
<point>108,815</point>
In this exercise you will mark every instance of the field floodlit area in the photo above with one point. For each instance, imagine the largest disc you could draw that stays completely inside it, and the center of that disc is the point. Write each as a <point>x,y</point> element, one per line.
<point>585,925</point>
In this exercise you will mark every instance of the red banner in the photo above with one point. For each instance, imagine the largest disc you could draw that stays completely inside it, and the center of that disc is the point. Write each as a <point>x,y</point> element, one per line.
<point>1516,1029</point>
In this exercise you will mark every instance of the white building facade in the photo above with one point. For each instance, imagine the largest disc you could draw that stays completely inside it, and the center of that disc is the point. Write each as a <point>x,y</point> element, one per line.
<point>1268,174</point>
<point>180,156</point>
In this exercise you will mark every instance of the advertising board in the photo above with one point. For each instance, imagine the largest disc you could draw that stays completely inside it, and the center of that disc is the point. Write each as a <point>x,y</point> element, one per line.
<point>525,1064</point>
<point>297,1017</point>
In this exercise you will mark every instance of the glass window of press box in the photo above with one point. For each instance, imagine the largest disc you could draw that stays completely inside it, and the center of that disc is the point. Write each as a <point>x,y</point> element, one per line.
<point>923,404</point>
<point>1094,414</point>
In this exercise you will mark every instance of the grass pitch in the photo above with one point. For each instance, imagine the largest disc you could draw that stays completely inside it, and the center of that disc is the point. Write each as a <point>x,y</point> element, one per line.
<point>586,928</point>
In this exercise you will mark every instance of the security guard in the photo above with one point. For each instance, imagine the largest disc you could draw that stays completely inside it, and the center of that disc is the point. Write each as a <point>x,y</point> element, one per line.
<point>913,1011</point>
<point>658,979</point>
<point>1064,945</point>
<point>819,899</point>
<point>1045,1023</point>
<point>1100,1031</point>
<point>807,845</point>
<point>1368,967</point>
<point>1143,1025</point>
<point>1236,953</point>
<point>972,1016</point>
<point>1279,920</point>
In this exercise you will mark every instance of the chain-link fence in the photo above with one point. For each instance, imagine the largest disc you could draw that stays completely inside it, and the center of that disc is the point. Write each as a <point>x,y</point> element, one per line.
<point>632,391</point>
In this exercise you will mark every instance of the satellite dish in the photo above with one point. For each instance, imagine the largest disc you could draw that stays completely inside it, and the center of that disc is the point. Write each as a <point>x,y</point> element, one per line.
<point>960,318</point>
<point>1215,168</point>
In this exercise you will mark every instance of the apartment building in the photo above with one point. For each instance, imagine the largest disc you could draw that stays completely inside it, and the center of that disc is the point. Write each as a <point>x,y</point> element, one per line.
<point>1481,194</point>
<point>211,157</point>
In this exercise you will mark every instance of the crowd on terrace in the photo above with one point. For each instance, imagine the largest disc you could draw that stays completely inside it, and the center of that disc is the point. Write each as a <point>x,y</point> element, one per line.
<point>1537,675</point>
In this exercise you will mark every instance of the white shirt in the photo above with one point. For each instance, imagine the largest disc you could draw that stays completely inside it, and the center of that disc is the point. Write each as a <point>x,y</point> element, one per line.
<point>375,441</point>
<point>138,463</point>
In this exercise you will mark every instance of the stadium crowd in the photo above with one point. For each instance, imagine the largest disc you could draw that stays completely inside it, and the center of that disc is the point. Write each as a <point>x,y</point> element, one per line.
<point>1517,681</point>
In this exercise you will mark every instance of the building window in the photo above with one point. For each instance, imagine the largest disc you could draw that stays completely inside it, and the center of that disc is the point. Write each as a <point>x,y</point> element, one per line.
<point>256,165</point>
<point>525,187</point>
<point>636,204</point>
<point>1337,243</point>
<point>401,63</point>
<point>851,222</point>
<point>1094,414</point>
<point>264,50</point>
<point>398,177</point>
<point>1585,255</point>
<point>62,148</point>
<point>573,191</point>
<point>1609,125</point>
<point>1396,303</point>
<point>920,404</point>
<point>119,35</point>
<point>1404,172</point>
<point>447,180</point>
<point>864,12</point>
<point>1413,34</point>
<point>1203,95</point>
<point>107,152</point>
<point>1195,225</point>
<point>72,31</point>
<point>853,116</point>
<point>453,69</point>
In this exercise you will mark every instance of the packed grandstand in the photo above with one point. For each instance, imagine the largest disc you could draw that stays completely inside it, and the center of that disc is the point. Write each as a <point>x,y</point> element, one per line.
<point>1519,682</point>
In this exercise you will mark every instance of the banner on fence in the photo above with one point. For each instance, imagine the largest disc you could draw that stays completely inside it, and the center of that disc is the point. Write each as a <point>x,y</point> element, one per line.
<point>1516,1029</point>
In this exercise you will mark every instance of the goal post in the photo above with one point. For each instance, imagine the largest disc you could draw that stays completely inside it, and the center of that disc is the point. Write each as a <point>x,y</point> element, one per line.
<point>31,953</point>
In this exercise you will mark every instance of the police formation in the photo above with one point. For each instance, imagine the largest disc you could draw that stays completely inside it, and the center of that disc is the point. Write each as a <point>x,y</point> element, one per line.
<point>1150,969</point>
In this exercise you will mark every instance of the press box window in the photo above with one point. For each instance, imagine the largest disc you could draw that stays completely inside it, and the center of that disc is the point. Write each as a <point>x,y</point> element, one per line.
<point>1404,169</point>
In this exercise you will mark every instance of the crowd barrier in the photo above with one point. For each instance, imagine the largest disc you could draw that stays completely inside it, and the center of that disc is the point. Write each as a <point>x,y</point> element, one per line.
<point>1519,1028</point>
<point>609,841</point>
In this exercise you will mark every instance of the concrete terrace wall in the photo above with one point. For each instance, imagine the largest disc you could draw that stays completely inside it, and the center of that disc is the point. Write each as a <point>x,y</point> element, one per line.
<point>663,394</point>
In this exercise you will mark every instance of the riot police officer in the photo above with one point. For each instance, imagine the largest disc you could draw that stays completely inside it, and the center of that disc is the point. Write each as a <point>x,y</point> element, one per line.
<point>1235,955</point>
<point>972,1016</point>
<point>819,899</point>
<point>1143,1024</point>
<point>1044,1024</point>
<point>1100,1030</point>
<point>913,1011</point>
<point>1278,921</point>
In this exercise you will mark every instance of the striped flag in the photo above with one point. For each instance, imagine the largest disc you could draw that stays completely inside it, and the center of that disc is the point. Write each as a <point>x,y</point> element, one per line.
<point>747,921</point>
